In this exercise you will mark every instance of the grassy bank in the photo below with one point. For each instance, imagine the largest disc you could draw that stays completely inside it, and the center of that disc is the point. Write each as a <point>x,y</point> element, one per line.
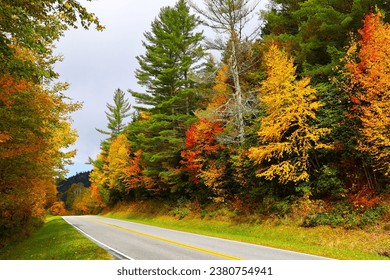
<point>55,240</point>
<point>371,243</point>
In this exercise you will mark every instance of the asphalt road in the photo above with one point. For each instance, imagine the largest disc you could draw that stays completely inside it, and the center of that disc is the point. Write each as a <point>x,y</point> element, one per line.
<point>127,240</point>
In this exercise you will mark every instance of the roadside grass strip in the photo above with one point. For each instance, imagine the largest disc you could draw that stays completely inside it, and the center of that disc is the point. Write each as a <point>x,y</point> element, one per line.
<point>55,240</point>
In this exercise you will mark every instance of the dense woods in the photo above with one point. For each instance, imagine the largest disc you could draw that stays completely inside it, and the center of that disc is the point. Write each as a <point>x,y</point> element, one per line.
<point>293,117</point>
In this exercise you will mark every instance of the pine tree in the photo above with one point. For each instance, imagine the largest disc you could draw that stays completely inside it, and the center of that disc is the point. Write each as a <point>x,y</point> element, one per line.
<point>116,114</point>
<point>316,31</point>
<point>173,54</point>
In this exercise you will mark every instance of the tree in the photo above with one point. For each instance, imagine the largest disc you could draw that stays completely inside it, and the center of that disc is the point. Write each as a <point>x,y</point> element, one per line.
<point>201,146</point>
<point>173,54</point>
<point>34,129</point>
<point>316,31</point>
<point>116,114</point>
<point>117,160</point>
<point>230,18</point>
<point>368,71</point>
<point>287,134</point>
<point>35,125</point>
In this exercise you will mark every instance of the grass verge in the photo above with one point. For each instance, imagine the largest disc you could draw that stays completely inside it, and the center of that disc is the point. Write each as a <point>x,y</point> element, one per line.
<point>55,240</point>
<point>338,243</point>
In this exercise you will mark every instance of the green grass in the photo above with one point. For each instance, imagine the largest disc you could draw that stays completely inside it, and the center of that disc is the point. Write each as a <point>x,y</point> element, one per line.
<point>55,240</point>
<point>337,243</point>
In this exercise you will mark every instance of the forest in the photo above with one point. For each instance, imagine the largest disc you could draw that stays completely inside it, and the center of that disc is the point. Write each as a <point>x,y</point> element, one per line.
<point>292,119</point>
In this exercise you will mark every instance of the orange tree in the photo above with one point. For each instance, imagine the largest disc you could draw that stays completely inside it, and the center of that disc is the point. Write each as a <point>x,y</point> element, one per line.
<point>368,72</point>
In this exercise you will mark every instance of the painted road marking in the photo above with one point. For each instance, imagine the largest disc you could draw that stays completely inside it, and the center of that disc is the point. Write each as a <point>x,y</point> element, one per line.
<point>116,252</point>
<point>168,241</point>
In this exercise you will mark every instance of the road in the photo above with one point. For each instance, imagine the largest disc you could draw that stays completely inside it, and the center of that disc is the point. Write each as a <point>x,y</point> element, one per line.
<point>128,240</point>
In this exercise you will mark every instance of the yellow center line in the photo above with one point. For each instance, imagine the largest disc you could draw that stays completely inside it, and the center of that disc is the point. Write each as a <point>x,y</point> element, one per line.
<point>169,241</point>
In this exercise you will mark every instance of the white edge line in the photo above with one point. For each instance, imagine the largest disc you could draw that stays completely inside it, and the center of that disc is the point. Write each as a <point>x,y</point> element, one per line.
<point>97,241</point>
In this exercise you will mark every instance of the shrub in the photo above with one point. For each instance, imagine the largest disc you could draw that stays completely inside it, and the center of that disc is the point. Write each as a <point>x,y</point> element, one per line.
<point>346,216</point>
<point>58,209</point>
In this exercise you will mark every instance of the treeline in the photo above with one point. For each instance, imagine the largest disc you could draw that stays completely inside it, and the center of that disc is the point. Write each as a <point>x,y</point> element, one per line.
<point>294,117</point>
<point>76,196</point>
<point>34,112</point>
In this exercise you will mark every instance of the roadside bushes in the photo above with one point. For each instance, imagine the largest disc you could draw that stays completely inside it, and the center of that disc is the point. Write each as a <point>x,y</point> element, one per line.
<point>343,214</point>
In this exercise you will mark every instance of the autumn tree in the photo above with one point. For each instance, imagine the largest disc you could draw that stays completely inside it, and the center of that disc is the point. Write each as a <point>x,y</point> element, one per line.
<point>35,129</point>
<point>287,133</point>
<point>201,148</point>
<point>88,201</point>
<point>368,70</point>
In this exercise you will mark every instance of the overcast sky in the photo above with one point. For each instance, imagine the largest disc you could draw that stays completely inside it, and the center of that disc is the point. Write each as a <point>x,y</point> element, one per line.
<point>96,63</point>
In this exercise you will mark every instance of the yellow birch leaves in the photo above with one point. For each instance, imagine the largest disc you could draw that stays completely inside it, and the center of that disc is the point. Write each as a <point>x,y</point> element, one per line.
<point>286,133</point>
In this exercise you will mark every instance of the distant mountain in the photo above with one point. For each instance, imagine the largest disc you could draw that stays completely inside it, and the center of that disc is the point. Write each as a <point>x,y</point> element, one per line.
<point>80,178</point>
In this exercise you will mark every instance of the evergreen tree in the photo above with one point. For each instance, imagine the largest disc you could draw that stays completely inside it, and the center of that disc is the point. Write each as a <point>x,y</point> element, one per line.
<point>173,54</point>
<point>116,114</point>
<point>316,32</point>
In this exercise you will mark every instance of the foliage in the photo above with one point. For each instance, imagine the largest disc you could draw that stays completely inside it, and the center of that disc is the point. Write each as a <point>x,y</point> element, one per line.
<point>315,30</point>
<point>58,209</point>
<point>344,215</point>
<point>35,127</point>
<point>368,69</point>
<point>292,123</point>
<point>286,134</point>
<point>36,25</point>
<point>64,185</point>
<point>201,144</point>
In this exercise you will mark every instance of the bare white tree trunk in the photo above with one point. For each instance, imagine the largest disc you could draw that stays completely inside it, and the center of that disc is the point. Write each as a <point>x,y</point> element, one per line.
<point>237,95</point>
<point>229,18</point>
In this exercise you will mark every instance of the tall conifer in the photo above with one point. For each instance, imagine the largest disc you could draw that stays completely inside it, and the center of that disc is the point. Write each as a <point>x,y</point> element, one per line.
<point>173,53</point>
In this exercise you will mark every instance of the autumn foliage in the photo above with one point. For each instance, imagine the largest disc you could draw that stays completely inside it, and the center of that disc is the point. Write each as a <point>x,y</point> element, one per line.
<point>286,134</point>
<point>368,68</point>
<point>201,148</point>
<point>34,128</point>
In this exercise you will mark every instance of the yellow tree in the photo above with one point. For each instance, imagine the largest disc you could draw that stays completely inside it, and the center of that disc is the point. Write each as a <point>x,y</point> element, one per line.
<point>118,160</point>
<point>368,65</point>
<point>286,133</point>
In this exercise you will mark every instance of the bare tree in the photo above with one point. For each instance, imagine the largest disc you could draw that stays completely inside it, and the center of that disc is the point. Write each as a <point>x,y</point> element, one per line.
<point>228,18</point>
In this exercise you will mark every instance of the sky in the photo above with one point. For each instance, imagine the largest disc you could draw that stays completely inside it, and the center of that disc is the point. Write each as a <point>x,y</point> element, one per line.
<point>96,63</point>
